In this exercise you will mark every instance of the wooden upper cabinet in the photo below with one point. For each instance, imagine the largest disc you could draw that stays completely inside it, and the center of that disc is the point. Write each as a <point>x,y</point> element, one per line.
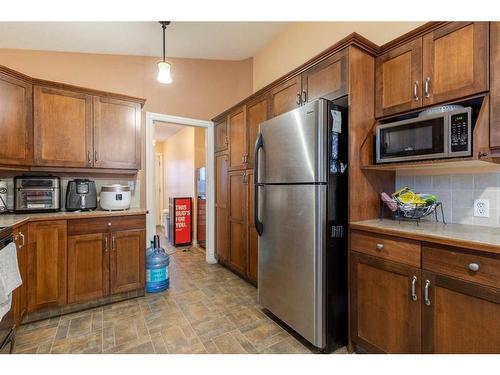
<point>87,267</point>
<point>460,317</point>
<point>16,121</point>
<point>117,133</point>
<point>257,112</point>
<point>495,85</point>
<point>127,260</point>
<point>455,61</point>
<point>238,220</point>
<point>62,128</point>
<point>327,79</point>
<point>286,96</point>
<point>398,79</point>
<point>47,271</point>
<point>384,316</point>
<point>221,138</point>
<point>237,139</point>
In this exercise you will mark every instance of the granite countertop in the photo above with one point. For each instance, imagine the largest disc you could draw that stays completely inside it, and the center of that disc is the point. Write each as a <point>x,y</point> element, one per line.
<point>15,220</point>
<point>472,237</point>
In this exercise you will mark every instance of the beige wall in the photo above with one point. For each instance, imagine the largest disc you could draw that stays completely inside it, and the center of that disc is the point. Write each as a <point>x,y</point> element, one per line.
<point>303,40</point>
<point>199,147</point>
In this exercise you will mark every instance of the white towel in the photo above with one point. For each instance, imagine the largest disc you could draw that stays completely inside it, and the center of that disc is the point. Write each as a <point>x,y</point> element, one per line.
<point>10,278</point>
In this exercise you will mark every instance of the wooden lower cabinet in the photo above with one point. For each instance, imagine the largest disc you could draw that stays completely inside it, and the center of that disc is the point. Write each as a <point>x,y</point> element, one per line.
<point>385,318</point>
<point>398,308</point>
<point>460,317</point>
<point>127,260</point>
<point>87,267</point>
<point>238,220</point>
<point>47,264</point>
<point>19,296</point>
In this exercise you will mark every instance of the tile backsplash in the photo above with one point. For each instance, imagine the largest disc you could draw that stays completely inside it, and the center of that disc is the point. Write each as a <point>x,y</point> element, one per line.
<point>135,201</point>
<point>457,192</point>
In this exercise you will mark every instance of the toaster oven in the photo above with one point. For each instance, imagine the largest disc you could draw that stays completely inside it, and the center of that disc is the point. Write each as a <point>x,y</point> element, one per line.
<point>37,194</point>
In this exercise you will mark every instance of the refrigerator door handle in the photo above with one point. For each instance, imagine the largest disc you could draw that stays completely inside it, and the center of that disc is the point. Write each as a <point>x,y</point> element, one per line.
<point>258,224</point>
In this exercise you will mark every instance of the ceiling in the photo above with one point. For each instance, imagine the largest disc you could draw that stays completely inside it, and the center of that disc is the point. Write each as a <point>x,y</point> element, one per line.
<point>206,40</point>
<point>164,130</point>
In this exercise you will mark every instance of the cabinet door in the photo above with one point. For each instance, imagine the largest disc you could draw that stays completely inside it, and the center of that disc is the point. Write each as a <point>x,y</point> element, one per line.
<point>237,139</point>
<point>385,305</point>
<point>16,121</point>
<point>19,296</point>
<point>253,237</point>
<point>127,260</point>
<point>88,258</point>
<point>117,134</point>
<point>221,207</point>
<point>257,112</point>
<point>221,138</point>
<point>62,128</point>
<point>286,96</point>
<point>455,61</point>
<point>398,79</point>
<point>495,85</point>
<point>237,221</point>
<point>47,273</point>
<point>460,317</point>
<point>327,79</point>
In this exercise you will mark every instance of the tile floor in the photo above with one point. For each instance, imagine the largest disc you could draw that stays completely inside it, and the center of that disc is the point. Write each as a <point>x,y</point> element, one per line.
<point>207,309</point>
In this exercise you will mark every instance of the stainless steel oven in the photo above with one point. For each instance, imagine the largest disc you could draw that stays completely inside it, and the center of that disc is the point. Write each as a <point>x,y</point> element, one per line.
<point>37,194</point>
<point>433,136</point>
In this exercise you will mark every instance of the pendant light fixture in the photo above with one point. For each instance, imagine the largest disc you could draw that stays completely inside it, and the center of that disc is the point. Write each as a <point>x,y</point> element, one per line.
<point>163,66</point>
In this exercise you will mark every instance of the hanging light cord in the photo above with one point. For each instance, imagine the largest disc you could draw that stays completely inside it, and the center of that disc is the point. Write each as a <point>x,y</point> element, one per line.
<point>164,26</point>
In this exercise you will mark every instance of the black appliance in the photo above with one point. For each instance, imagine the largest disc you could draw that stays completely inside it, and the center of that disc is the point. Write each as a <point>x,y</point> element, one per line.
<point>81,195</point>
<point>7,336</point>
<point>37,193</point>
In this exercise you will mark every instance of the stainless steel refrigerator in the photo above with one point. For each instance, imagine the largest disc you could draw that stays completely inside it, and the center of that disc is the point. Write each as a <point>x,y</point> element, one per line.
<point>301,218</point>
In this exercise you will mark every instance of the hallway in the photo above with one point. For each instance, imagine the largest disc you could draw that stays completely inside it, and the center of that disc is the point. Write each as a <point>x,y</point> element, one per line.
<point>207,309</point>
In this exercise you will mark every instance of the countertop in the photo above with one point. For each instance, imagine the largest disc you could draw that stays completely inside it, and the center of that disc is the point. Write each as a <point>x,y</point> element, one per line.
<point>15,220</point>
<point>472,237</point>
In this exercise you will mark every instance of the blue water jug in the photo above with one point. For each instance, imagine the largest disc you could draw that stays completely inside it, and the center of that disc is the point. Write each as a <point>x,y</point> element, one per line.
<point>157,262</point>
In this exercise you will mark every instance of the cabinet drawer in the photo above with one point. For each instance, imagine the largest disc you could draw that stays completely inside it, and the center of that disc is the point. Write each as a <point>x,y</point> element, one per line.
<point>397,249</point>
<point>103,224</point>
<point>462,264</point>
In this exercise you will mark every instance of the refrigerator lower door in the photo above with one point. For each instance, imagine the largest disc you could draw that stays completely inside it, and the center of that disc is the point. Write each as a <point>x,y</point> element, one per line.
<point>292,258</point>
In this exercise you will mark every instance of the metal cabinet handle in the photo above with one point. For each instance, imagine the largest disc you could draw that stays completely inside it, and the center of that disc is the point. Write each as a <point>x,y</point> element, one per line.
<point>304,96</point>
<point>380,246</point>
<point>415,90</point>
<point>89,157</point>
<point>226,139</point>
<point>426,293</point>
<point>298,98</point>
<point>106,244</point>
<point>427,87</point>
<point>24,239</point>
<point>474,267</point>
<point>414,288</point>
<point>244,178</point>
<point>113,243</point>
<point>95,155</point>
<point>243,159</point>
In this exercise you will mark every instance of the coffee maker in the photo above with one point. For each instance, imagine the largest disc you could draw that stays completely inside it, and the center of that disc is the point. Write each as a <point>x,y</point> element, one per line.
<point>81,195</point>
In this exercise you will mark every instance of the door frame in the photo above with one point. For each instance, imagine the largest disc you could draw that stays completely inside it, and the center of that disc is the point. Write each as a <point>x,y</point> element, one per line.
<point>151,117</point>
<point>158,182</point>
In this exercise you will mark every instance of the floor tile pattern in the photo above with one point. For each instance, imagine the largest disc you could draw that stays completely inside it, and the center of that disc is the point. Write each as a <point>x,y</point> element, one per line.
<point>207,309</point>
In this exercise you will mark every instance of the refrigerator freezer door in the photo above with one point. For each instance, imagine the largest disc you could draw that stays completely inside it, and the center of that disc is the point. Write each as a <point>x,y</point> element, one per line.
<point>294,146</point>
<point>291,257</point>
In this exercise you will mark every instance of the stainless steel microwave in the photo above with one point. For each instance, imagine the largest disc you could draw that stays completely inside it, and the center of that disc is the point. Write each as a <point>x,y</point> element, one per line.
<point>433,136</point>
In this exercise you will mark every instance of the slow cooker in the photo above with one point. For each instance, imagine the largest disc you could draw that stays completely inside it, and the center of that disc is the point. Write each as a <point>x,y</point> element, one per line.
<point>114,197</point>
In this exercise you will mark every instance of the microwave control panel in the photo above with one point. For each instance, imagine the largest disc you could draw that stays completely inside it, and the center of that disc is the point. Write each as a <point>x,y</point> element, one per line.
<point>459,128</point>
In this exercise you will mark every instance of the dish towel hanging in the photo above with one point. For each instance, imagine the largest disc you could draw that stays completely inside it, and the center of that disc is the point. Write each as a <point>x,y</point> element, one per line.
<point>10,278</point>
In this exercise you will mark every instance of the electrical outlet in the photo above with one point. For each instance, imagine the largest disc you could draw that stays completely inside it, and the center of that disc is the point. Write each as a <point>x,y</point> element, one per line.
<point>482,208</point>
<point>131,185</point>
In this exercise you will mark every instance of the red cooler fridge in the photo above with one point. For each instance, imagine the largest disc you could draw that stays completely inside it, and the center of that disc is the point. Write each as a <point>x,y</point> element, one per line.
<point>181,222</point>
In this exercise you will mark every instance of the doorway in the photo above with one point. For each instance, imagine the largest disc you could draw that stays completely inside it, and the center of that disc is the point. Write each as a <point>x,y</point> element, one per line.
<point>154,203</point>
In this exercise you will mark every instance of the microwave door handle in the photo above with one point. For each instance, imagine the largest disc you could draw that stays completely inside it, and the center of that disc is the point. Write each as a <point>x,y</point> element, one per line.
<point>259,144</point>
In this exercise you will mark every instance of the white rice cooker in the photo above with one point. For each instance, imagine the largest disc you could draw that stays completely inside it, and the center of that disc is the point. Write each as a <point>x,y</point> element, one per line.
<point>114,197</point>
